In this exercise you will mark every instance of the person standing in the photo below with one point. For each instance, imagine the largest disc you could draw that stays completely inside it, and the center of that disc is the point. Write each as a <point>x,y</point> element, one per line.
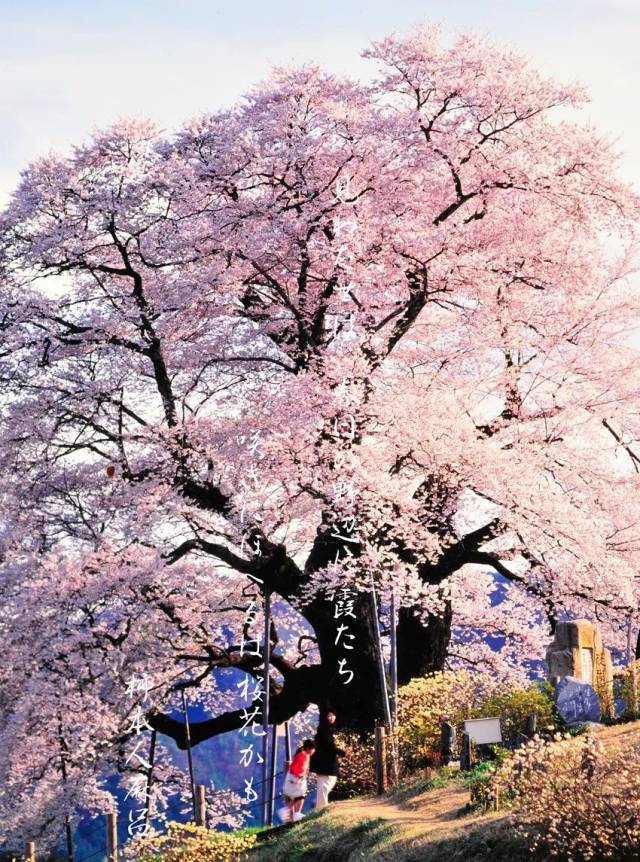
<point>295,783</point>
<point>324,762</point>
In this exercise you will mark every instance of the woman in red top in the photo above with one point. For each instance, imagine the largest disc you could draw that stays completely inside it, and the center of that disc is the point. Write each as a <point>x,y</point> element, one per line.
<point>295,782</point>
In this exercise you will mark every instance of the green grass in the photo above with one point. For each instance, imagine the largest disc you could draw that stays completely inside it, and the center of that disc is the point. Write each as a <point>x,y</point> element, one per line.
<point>319,838</point>
<point>441,778</point>
<point>418,785</point>
<point>323,839</point>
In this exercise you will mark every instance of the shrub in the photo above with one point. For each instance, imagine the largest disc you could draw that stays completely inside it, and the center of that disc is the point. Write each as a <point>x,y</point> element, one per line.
<point>628,688</point>
<point>585,803</point>
<point>357,770</point>
<point>483,781</point>
<point>515,705</point>
<point>186,842</point>
<point>425,702</point>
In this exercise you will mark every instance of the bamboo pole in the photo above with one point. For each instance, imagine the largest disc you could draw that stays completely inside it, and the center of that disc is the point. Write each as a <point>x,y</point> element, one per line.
<point>393,663</point>
<point>64,752</point>
<point>393,672</point>
<point>266,654</point>
<point>152,756</point>
<point>381,669</point>
<point>631,664</point>
<point>273,769</point>
<point>187,731</point>
<point>287,742</point>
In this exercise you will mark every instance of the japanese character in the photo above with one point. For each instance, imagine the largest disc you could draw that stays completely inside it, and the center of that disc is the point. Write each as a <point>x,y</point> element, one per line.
<point>344,671</point>
<point>144,763</point>
<point>251,795</point>
<point>249,721</point>
<point>138,722</point>
<point>344,630</point>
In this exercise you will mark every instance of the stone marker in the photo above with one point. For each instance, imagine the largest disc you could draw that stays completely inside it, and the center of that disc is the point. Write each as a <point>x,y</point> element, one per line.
<point>577,651</point>
<point>466,753</point>
<point>447,743</point>
<point>577,701</point>
<point>532,724</point>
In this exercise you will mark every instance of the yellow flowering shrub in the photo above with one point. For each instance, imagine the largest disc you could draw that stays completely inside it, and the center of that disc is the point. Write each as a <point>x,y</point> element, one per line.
<point>455,697</point>
<point>514,705</point>
<point>583,803</point>
<point>422,705</point>
<point>186,842</point>
<point>426,701</point>
<point>357,770</point>
<point>629,689</point>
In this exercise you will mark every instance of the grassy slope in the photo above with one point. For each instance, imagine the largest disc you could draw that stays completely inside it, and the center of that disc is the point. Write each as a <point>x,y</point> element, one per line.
<point>412,824</point>
<point>329,839</point>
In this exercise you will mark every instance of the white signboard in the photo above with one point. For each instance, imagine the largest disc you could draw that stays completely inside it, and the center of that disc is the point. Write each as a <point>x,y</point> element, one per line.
<point>483,731</point>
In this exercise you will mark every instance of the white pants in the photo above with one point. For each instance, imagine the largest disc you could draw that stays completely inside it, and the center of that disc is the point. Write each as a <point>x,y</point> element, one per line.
<point>325,784</point>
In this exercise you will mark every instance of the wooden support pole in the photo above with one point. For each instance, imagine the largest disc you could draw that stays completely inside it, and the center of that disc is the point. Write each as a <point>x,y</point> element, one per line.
<point>112,837</point>
<point>187,731</point>
<point>381,759</point>
<point>266,657</point>
<point>152,757</point>
<point>30,851</point>
<point>272,772</point>
<point>201,806</point>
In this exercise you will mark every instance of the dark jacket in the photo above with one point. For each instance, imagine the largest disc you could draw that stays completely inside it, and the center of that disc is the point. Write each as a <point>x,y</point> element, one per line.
<point>324,761</point>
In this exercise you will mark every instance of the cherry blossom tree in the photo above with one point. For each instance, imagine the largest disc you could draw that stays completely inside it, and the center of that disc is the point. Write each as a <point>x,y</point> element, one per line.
<point>339,336</point>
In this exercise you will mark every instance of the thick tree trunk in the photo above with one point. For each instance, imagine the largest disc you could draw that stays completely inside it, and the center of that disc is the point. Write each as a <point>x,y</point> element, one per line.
<point>357,700</point>
<point>359,703</point>
<point>422,648</point>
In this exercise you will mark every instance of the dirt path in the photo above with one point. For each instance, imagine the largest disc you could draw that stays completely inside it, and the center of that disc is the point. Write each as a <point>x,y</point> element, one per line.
<point>443,810</point>
<point>433,811</point>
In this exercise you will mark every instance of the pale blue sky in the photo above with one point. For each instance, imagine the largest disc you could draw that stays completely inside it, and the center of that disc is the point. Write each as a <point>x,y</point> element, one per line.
<point>69,66</point>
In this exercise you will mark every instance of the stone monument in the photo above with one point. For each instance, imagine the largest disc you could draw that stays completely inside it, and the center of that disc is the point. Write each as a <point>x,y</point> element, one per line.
<point>577,701</point>
<point>577,651</point>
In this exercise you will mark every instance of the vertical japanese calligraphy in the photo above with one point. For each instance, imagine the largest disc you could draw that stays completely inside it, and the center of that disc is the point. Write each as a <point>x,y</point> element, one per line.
<point>251,694</point>
<point>138,825</point>
<point>344,433</point>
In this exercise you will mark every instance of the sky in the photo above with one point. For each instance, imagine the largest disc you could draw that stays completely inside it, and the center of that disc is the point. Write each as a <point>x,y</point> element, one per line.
<point>68,67</point>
